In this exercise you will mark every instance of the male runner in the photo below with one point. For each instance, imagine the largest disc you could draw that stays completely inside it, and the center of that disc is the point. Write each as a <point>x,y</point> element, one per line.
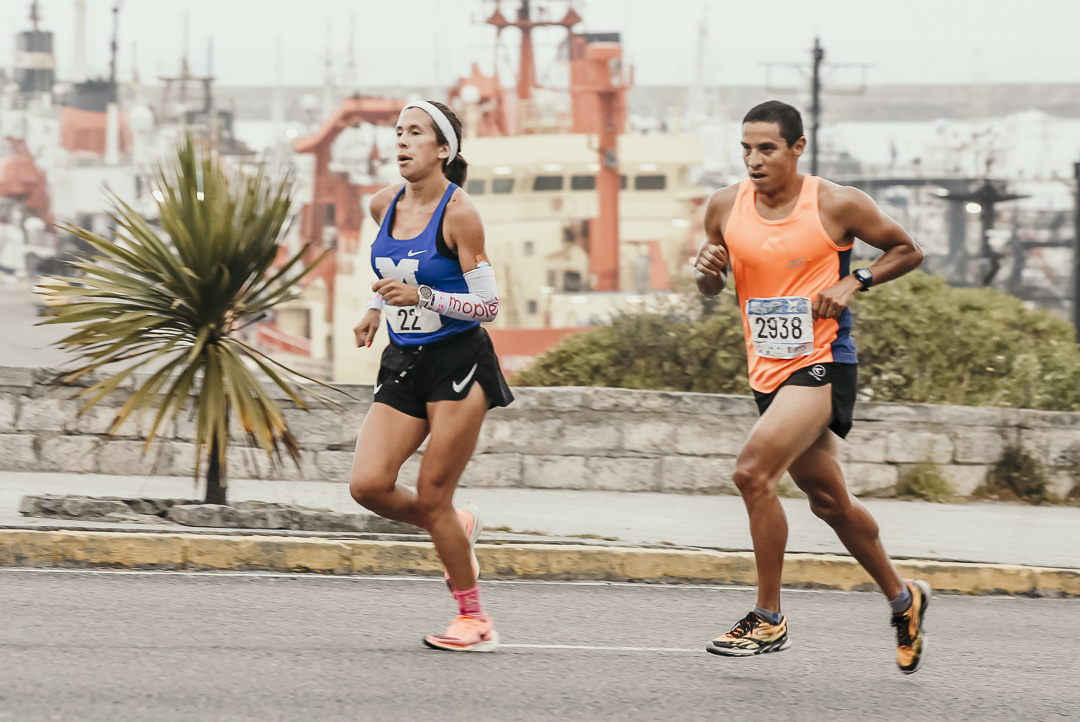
<point>788,237</point>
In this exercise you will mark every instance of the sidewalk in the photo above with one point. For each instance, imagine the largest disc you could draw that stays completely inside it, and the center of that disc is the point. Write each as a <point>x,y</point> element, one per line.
<point>993,533</point>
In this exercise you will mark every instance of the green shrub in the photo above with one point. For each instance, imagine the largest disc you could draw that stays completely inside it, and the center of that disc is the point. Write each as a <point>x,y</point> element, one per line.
<point>660,349</point>
<point>1018,476</point>
<point>918,341</point>
<point>925,481</point>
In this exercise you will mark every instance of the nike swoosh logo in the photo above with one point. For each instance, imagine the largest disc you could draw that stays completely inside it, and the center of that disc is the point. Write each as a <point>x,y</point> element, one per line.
<point>458,387</point>
<point>377,387</point>
<point>415,253</point>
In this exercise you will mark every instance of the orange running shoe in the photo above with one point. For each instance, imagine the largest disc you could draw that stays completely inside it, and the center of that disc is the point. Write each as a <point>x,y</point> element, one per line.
<point>910,635</point>
<point>466,634</point>
<point>751,635</point>
<point>469,516</point>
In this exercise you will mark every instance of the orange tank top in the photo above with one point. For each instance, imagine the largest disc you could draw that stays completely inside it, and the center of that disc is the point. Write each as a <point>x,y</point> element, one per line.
<point>776,265</point>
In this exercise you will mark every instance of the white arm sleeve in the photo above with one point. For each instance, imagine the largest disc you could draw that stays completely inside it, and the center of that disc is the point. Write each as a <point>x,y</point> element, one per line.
<point>376,303</point>
<point>481,303</point>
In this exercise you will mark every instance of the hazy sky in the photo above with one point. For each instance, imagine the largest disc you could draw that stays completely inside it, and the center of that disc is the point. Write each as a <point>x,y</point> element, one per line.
<point>428,42</point>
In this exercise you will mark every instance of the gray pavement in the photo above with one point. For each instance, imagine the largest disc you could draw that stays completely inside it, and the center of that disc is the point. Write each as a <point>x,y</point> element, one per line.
<point>119,646</point>
<point>991,532</point>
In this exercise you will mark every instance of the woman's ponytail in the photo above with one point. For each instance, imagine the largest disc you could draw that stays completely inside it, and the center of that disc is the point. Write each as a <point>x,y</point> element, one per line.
<point>456,171</point>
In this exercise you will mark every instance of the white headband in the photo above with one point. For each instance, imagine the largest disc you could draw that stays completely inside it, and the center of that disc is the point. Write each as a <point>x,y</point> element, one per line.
<point>440,120</point>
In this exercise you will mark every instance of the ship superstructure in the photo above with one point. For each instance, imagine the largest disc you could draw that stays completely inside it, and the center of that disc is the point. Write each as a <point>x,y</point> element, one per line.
<point>583,219</point>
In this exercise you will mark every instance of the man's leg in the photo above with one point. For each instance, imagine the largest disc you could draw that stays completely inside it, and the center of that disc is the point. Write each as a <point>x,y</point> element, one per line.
<point>817,472</point>
<point>793,422</point>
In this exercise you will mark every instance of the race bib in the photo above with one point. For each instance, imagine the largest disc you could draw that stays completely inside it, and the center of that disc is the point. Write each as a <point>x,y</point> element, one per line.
<point>410,319</point>
<point>781,327</point>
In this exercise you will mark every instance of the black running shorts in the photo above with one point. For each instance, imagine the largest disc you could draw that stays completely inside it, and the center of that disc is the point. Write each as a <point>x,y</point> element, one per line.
<point>445,370</point>
<point>843,378</point>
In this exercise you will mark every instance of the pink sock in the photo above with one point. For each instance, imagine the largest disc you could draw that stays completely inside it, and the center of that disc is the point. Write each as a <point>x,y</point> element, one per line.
<point>469,602</point>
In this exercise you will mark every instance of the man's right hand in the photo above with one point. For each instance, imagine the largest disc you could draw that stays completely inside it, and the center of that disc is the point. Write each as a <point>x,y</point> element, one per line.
<point>712,260</point>
<point>365,330</point>
<point>710,269</point>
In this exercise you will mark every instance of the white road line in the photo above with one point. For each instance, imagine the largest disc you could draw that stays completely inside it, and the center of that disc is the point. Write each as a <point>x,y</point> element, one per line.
<point>599,649</point>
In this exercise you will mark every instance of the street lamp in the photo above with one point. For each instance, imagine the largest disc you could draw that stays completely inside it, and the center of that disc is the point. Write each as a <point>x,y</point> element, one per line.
<point>981,202</point>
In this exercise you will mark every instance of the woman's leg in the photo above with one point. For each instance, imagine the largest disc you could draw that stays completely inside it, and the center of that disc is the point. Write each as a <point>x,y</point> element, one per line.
<point>387,439</point>
<point>455,427</point>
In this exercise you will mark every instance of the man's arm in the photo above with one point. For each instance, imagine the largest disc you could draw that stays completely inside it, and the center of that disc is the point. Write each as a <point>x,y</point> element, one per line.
<point>850,213</point>
<point>710,268</point>
<point>869,224</point>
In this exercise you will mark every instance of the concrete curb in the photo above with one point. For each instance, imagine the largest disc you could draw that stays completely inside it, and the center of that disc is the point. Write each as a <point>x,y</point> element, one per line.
<point>136,550</point>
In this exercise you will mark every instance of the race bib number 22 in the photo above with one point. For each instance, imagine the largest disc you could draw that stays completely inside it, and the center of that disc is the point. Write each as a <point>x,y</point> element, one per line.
<point>409,319</point>
<point>781,327</point>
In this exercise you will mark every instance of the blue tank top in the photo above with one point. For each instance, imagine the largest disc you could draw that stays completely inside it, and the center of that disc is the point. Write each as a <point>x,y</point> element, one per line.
<point>417,262</point>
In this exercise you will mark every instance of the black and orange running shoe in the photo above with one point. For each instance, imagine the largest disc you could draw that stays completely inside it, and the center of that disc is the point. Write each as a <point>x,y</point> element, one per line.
<point>910,635</point>
<point>752,635</point>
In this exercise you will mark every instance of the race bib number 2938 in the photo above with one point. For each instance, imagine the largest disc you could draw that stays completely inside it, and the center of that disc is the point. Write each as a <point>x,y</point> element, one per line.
<point>781,327</point>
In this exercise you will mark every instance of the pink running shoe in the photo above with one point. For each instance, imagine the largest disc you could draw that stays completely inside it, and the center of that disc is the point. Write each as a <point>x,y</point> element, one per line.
<point>469,516</point>
<point>466,634</point>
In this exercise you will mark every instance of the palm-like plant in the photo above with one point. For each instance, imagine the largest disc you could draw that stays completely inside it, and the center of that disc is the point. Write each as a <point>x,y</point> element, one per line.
<point>173,305</point>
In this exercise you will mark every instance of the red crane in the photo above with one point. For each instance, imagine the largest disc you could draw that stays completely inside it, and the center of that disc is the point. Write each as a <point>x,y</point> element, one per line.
<point>335,201</point>
<point>598,85</point>
<point>527,63</point>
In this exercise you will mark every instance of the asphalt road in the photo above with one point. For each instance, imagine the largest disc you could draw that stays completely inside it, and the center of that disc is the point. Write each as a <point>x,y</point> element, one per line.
<point>165,646</point>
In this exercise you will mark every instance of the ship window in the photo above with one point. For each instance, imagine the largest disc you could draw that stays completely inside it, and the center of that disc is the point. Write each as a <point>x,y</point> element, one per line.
<point>532,307</point>
<point>572,282</point>
<point>548,183</point>
<point>650,182</point>
<point>582,182</point>
<point>296,321</point>
<point>502,185</point>
<point>475,187</point>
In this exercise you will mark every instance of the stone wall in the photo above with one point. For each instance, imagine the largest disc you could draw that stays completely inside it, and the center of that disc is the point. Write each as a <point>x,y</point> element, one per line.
<point>556,438</point>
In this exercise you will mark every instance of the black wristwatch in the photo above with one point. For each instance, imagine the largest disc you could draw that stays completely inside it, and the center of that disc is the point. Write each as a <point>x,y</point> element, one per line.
<point>864,277</point>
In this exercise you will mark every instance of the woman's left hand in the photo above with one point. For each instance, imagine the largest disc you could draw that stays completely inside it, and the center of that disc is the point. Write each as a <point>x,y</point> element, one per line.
<point>396,293</point>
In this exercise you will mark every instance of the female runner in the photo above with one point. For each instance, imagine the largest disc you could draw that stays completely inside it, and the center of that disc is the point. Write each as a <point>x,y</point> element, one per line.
<point>439,375</point>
